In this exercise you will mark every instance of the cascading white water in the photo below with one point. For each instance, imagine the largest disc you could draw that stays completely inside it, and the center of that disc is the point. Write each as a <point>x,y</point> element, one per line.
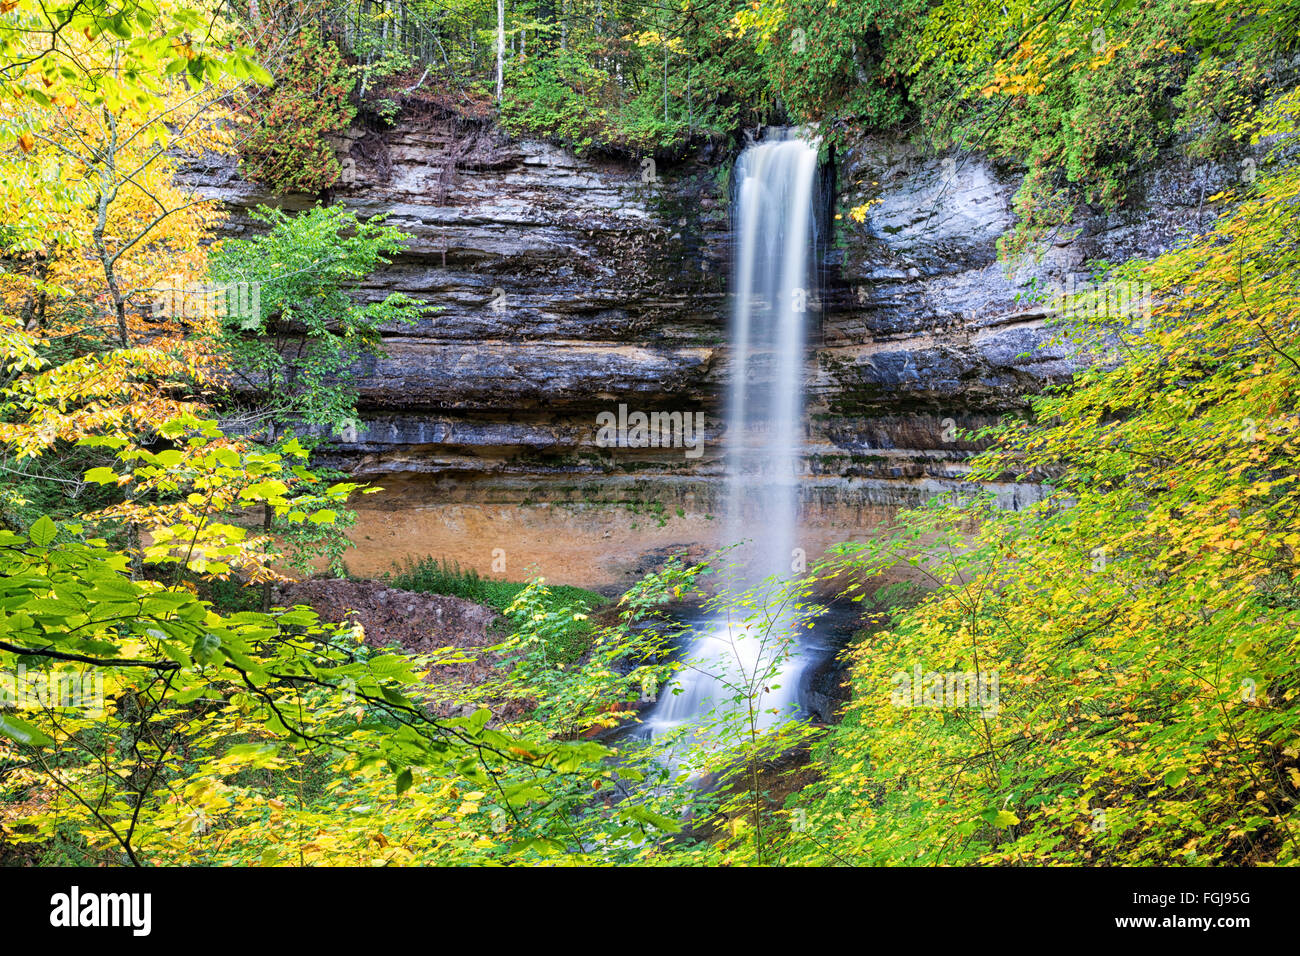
<point>771,288</point>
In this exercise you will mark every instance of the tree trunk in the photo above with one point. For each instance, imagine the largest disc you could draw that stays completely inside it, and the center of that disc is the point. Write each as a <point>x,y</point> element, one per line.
<point>665,82</point>
<point>267,515</point>
<point>501,49</point>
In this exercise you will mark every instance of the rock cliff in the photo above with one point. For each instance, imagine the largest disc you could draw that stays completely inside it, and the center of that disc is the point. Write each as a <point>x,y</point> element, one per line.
<point>568,286</point>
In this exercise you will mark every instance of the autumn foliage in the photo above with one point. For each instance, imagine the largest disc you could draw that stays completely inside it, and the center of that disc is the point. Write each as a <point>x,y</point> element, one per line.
<point>288,147</point>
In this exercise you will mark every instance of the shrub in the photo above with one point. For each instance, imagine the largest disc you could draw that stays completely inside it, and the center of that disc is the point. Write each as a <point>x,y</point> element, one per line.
<point>289,149</point>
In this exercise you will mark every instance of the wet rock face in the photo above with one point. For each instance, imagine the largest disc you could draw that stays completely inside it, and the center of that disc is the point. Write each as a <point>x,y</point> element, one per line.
<point>558,280</point>
<point>567,286</point>
<point>920,311</point>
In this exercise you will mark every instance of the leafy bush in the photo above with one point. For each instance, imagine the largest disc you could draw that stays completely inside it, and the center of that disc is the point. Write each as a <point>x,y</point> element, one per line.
<point>566,97</point>
<point>289,147</point>
<point>292,347</point>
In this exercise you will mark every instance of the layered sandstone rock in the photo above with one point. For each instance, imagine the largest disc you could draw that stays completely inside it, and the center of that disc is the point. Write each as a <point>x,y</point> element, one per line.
<point>569,285</point>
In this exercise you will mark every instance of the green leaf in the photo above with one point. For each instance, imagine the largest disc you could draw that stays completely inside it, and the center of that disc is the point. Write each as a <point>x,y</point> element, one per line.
<point>207,648</point>
<point>125,589</point>
<point>404,781</point>
<point>22,732</point>
<point>1176,776</point>
<point>263,490</point>
<point>646,815</point>
<point>478,720</point>
<point>294,447</point>
<point>102,476</point>
<point>43,531</point>
<point>542,845</point>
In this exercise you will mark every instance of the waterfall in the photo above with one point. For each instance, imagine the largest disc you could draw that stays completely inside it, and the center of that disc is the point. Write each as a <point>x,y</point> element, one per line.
<point>771,292</point>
